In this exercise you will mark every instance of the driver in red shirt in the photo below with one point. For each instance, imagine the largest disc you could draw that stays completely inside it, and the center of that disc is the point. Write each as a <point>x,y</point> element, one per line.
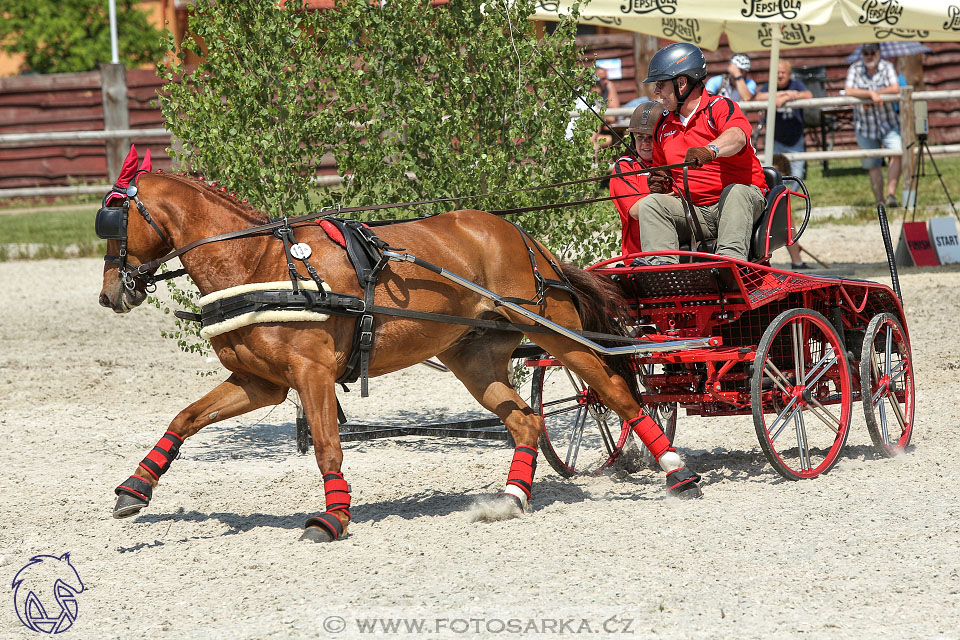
<point>628,190</point>
<point>727,187</point>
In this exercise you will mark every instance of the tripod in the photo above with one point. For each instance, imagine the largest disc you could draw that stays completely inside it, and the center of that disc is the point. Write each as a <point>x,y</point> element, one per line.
<point>918,171</point>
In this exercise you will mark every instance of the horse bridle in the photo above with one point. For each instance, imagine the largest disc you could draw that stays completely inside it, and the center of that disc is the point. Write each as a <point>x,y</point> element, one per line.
<point>111,224</point>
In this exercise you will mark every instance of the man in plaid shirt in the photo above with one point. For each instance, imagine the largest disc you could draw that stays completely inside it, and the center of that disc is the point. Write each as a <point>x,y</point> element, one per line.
<point>877,124</point>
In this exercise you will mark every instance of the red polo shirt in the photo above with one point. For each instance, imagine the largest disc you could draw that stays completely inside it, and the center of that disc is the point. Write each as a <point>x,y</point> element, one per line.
<point>632,188</point>
<point>713,116</point>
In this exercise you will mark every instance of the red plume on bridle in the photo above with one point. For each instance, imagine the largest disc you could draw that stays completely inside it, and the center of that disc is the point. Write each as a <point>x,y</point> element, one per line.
<point>129,172</point>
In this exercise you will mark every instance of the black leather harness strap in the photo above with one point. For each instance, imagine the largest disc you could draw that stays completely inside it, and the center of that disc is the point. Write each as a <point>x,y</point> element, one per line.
<point>365,252</point>
<point>542,283</point>
<point>340,304</point>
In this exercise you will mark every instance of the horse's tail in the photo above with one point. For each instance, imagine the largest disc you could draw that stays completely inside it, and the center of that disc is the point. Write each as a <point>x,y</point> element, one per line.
<point>603,309</point>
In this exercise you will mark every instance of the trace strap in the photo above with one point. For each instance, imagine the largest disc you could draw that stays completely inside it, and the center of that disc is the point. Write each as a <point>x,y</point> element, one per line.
<point>263,229</point>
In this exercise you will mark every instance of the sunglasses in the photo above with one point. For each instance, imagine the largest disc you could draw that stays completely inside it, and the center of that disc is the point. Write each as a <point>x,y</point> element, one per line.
<point>870,52</point>
<point>659,85</point>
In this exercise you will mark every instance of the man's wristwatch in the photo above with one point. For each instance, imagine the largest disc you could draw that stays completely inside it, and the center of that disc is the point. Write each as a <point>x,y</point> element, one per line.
<point>715,149</point>
<point>736,78</point>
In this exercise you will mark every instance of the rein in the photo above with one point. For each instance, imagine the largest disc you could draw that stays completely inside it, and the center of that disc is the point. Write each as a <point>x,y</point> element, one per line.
<point>144,272</point>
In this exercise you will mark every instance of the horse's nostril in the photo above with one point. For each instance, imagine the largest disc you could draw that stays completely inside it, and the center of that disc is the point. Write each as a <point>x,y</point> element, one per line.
<point>104,300</point>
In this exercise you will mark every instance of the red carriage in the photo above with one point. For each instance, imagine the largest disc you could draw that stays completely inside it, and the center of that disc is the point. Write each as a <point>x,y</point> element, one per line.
<point>715,336</point>
<point>794,351</point>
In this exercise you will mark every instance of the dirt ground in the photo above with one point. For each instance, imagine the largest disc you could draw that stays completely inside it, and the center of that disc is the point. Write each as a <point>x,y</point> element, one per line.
<point>870,550</point>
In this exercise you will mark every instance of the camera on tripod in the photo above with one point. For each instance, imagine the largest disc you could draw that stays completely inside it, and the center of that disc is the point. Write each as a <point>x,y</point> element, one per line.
<point>921,126</point>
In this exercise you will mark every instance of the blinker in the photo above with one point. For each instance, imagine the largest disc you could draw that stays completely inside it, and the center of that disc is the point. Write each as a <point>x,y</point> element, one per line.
<point>111,222</point>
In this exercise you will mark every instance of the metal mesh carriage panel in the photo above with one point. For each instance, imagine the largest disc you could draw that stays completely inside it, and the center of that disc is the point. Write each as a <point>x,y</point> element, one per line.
<point>679,282</point>
<point>748,328</point>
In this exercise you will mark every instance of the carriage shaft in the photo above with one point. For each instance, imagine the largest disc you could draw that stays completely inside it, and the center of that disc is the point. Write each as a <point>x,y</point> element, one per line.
<point>653,347</point>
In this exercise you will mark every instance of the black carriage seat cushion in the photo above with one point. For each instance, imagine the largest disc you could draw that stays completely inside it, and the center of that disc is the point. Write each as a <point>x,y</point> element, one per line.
<point>772,176</point>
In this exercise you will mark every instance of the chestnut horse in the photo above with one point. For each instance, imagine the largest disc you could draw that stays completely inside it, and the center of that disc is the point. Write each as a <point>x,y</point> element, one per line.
<point>266,360</point>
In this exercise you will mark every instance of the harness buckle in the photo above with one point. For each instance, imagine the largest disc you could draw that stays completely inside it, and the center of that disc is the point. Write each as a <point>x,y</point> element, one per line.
<point>366,331</point>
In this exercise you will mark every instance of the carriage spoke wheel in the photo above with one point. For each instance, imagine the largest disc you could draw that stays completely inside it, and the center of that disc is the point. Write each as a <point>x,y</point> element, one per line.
<point>580,435</point>
<point>886,378</point>
<point>801,394</point>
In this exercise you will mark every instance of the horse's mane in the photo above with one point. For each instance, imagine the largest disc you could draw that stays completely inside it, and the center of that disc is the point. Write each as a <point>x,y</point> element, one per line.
<point>224,197</point>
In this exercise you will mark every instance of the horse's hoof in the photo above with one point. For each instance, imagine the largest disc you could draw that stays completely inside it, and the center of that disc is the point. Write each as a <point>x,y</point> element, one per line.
<point>134,494</point>
<point>503,506</point>
<point>690,491</point>
<point>316,534</point>
<point>682,483</point>
<point>128,505</point>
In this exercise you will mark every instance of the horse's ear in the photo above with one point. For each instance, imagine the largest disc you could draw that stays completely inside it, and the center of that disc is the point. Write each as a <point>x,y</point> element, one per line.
<point>145,165</point>
<point>129,168</point>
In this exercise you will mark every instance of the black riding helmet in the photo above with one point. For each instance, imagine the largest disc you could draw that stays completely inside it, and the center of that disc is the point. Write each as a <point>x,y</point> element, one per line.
<point>675,60</point>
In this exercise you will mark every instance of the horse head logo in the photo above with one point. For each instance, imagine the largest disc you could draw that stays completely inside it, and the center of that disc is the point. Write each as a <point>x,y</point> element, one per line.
<point>45,593</point>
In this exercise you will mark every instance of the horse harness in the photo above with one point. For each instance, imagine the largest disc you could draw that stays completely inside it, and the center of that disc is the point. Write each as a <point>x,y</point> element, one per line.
<point>365,251</point>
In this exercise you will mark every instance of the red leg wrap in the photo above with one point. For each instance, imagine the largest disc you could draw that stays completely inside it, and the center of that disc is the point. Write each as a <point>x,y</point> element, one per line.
<point>160,457</point>
<point>522,468</point>
<point>338,492</point>
<point>650,434</point>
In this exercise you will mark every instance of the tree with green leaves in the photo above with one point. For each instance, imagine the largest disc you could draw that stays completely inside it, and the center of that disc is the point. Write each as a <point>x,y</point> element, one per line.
<point>462,100</point>
<point>65,37</point>
<point>414,101</point>
<point>251,114</point>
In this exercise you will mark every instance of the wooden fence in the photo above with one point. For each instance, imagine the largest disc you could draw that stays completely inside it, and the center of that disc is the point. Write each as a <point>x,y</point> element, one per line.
<point>70,102</point>
<point>74,102</point>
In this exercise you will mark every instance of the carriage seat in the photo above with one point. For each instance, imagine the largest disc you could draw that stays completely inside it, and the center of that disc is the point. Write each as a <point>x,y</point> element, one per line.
<point>771,225</point>
<point>771,231</point>
<point>772,222</point>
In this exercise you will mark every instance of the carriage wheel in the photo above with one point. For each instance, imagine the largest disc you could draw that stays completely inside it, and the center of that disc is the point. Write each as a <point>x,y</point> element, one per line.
<point>801,394</point>
<point>886,379</point>
<point>580,435</point>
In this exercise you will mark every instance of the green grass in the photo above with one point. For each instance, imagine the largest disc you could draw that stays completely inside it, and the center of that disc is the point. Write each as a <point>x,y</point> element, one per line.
<point>58,233</point>
<point>849,185</point>
<point>69,231</point>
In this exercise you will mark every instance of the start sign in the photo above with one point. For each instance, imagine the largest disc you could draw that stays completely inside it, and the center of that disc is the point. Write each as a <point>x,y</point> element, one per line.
<point>915,247</point>
<point>943,236</point>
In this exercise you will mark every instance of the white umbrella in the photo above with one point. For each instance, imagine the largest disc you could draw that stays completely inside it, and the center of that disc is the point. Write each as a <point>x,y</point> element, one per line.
<point>751,25</point>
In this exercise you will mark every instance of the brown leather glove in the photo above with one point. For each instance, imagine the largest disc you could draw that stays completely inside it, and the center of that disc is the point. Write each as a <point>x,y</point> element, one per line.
<point>660,182</point>
<point>699,155</point>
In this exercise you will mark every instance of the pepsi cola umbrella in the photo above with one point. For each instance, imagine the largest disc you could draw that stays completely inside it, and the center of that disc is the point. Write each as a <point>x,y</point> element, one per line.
<point>752,25</point>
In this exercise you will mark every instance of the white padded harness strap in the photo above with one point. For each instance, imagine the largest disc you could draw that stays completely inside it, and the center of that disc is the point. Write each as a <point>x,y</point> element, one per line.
<point>259,317</point>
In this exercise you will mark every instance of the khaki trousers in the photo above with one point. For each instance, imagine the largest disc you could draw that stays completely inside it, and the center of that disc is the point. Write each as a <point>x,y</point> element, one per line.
<point>663,223</point>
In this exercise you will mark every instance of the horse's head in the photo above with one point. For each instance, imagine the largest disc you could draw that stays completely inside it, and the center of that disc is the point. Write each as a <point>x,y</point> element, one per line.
<point>133,238</point>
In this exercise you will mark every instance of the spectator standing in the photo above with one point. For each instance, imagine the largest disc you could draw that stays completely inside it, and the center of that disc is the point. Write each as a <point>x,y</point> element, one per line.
<point>735,84</point>
<point>788,125</point>
<point>628,190</point>
<point>876,125</point>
